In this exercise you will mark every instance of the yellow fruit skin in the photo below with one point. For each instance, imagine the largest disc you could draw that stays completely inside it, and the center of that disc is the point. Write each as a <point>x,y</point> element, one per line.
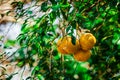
<point>82,55</point>
<point>65,46</point>
<point>87,41</point>
<point>61,47</point>
<point>71,48</point>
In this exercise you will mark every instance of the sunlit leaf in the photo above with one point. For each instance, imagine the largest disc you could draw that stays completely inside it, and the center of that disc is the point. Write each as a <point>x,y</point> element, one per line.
<point>20,64</point>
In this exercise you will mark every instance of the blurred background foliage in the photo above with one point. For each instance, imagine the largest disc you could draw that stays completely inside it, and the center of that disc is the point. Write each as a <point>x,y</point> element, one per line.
<point>38,41</point>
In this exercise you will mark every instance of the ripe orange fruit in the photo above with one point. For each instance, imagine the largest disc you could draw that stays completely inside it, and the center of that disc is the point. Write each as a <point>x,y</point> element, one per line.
<point>82,55</point>
<point>61,46</point>
<point>65,45</point>
<point>87,41</point>
<point>71,48</point>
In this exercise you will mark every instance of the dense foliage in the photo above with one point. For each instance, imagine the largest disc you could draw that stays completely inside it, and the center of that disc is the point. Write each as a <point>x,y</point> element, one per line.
<point>61,18</point>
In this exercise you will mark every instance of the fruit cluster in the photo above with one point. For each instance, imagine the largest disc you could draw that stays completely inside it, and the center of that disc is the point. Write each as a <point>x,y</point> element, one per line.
<point>81,50</point>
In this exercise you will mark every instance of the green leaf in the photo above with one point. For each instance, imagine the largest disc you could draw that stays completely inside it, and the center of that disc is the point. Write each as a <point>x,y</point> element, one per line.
<point>53,2</point>
<point>115,38</point>
<point>98,20</point>
<point>88,25</point>
<point>56,7</point>
<point>53,16</point>
<point>87,77</point>
<point>10,43</point>
<point>73,24</point>
<point>73,40</point>
<point>112,12</point>
<point>36,68</point>
<point>40,77</point>
<point>68,28</point>
<point>118,42</point>
<point>29,12</point>
<point>113,19</point>
<point>103,14</point>
<point>23,26</point>
<point>57,57</point>
<point>79,68</point>
<point>20,64</point>
<point>65,6</point>
<point>44,7</point>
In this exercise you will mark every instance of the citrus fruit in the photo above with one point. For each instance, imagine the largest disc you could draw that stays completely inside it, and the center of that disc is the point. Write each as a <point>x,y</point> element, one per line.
<point>87,41</point>
<point>61,46</point>
<point>72,48</point>
<point>65,45</point>
<point>82,55</point>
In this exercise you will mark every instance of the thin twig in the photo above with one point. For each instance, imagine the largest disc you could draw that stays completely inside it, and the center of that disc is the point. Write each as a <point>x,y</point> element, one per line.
<point>22,72</point>
<point>8,57</point>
